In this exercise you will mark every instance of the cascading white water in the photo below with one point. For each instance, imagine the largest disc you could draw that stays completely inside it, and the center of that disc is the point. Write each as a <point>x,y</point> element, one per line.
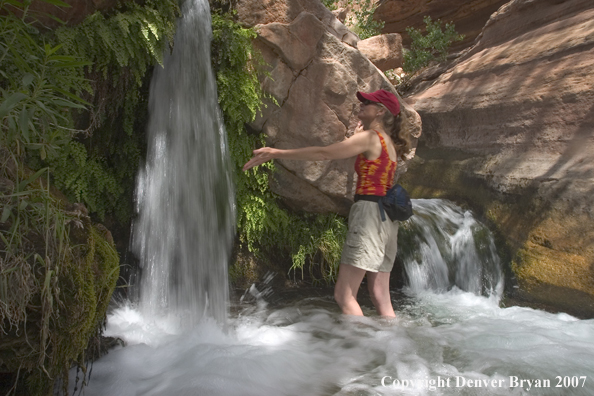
<point>184,195</point>
<point>442,342</point>
<point>443,246</point>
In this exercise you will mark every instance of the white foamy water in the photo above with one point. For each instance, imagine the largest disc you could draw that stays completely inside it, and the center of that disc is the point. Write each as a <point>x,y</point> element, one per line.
<point>443,246</point>
<point>440,344</point>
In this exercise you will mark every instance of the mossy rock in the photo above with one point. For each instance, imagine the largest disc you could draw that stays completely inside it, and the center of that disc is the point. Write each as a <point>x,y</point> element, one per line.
<point>66,306</point>
<point>546,248</point>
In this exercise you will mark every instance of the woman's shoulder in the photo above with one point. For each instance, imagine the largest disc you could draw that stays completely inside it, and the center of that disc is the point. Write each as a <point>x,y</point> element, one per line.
<point>370,133</point>
<point>369,136</point>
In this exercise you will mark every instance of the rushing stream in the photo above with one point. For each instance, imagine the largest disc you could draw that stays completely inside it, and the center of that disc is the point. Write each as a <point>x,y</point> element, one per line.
<point>444,341</point>
<point>450,336</point>
<point>440,344</point>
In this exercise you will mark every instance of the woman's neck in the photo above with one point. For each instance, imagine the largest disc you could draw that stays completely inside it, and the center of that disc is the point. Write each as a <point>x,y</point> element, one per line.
<point>375,125</point>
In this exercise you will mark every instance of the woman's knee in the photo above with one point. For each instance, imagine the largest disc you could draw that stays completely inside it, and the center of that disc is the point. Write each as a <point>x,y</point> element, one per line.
<point>377,296</point>
<point>341,292</point>
<point>379,286</point>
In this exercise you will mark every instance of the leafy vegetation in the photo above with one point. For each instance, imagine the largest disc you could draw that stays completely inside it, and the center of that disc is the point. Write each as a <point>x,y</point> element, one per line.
<point>99,166</point>
<point>361,21</point>
<point>264,226</point>
<point>39,84</point>
<point>57,270</point>
<point>70,101</point>
<point>433,45</point>
<point>329,4</point>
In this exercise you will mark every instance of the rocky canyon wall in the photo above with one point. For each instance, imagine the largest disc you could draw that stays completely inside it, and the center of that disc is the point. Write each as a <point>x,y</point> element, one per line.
<point>469,16</point>
<point>510,126</point>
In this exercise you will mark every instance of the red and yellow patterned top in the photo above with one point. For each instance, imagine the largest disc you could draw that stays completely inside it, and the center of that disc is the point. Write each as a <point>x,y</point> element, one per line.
<point>375,177</point>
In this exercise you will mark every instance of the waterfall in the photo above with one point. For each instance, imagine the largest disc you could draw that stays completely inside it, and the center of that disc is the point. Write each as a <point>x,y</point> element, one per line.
<point>184,197</point>
<point>443,246</point>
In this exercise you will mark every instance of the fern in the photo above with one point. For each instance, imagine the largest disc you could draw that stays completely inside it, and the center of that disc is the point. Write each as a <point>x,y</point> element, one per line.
<point>121,49</point>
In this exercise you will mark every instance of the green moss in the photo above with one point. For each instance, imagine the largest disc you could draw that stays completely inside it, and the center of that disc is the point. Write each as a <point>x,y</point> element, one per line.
<point>67,299</point>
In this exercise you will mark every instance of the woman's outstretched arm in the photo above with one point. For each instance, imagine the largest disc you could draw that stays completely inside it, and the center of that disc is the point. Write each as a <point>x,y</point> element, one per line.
<point>358,143</point>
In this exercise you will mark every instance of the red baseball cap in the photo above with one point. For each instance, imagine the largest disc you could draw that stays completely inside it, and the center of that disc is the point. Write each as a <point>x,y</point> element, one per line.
<point>384,97</point>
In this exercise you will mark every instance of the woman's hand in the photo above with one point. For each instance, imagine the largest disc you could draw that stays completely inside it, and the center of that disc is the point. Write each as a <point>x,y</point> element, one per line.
<point>359,127</point>
<point>261,155</point>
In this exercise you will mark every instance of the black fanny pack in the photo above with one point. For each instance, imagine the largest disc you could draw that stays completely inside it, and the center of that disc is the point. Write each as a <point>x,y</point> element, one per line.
<point>396,203</point>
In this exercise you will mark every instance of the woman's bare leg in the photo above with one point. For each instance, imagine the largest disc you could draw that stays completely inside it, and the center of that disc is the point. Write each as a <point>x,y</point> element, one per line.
<point>379,290</point>
<point>347,286</point>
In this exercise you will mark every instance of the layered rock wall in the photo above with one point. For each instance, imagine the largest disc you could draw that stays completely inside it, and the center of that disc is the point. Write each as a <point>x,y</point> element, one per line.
<point>515,116</point>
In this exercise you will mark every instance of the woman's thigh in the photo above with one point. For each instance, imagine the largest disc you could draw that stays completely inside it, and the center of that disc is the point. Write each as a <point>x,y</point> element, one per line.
<point>349,279</point>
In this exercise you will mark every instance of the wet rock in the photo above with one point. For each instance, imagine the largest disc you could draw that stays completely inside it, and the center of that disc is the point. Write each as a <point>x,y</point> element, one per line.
<point>518,105</point>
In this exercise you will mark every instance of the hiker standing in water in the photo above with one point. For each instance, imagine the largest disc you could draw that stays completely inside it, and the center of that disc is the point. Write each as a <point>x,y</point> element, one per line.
<point>371,243</point>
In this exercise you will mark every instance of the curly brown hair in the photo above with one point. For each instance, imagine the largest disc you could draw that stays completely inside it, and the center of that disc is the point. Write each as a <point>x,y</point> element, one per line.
<point>393,126</point>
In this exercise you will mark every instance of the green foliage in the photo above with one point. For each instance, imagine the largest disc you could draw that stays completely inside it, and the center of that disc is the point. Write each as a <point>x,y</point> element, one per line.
<point>235,63</point>
<point>431,46</point>
<point>99,168</point>
<point>329,4</point>
<point>57,274</point>
<point>57,271</point>
<point>129,41</point>
<point>263,225</point>
<point>43,77</point>
<point>362,22</point>
<point>90,180</point>
<point>38,86</point>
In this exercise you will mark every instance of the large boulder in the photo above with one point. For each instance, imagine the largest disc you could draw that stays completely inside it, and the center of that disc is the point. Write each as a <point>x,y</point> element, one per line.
<point>384,51</point>
<point>315,71</point>
<point>510,126</point>
<point>469,16</point>
<point>263,12</point>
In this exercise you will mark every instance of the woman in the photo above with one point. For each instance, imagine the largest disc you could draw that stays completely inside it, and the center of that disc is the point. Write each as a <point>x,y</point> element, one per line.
<point>370,247</point>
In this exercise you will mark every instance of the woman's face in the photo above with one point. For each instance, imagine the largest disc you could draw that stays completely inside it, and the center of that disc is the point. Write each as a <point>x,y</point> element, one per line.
<point>368,110</point>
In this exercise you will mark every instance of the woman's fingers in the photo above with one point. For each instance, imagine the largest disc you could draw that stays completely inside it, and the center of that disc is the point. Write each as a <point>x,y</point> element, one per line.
<point>260,156</point>
<point>251,163</point>
<point>359,127</point>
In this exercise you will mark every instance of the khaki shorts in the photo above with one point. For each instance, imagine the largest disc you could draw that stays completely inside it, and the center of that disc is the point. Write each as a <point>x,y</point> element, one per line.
<point>370,243</point>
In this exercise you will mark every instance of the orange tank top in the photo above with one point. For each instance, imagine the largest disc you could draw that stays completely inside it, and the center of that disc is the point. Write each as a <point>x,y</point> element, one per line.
<point>375,177</point>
